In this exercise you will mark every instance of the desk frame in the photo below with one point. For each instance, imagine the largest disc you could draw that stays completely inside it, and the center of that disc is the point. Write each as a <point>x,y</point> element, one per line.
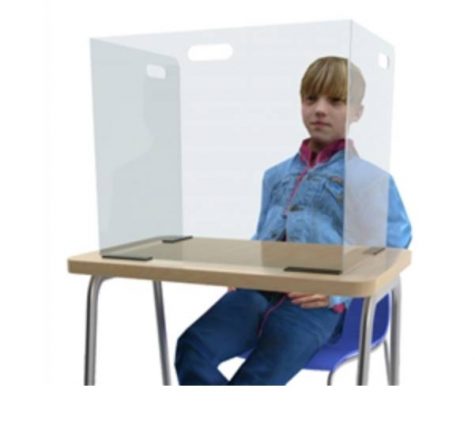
<point>366,332</point>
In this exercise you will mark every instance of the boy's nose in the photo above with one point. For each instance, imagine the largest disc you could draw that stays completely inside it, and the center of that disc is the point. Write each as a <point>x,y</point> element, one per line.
<point>320,106</point>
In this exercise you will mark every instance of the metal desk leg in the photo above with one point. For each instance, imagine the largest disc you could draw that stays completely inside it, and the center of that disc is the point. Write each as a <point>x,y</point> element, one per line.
<point>91,329</point>
<point>162,332</point>
<point>366,335</point>
<point>395,334</point>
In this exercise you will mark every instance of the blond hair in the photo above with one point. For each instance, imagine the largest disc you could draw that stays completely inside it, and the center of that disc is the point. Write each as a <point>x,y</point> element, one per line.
<point>329,76</point>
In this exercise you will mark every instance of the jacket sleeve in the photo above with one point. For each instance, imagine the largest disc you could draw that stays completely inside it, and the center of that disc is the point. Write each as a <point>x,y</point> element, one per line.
<point>265,201</point>
<point>399,231</point>
<point>338,300</point>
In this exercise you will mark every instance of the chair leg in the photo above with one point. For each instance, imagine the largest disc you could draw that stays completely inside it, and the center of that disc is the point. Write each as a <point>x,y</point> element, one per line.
<point>351,359</point>
<point>162,332</point>
<point>348,360</point>
<point>91,329</point>
<point>366,335</point>
<point>387,361</point>
<point>395,333</point>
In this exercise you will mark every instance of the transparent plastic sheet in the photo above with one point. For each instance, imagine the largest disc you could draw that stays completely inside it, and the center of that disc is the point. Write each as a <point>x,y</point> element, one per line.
<point>182,141</point>
<point>367,152</point>
<point>138,149</point>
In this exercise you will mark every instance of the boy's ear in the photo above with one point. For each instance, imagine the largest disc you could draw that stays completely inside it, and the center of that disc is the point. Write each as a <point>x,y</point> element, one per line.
<point>356,113</point>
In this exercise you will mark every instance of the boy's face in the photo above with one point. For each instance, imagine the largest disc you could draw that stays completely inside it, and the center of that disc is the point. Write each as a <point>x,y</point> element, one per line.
<point>325,117</point>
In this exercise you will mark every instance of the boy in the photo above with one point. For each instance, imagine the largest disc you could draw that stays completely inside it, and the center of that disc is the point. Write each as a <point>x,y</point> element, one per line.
<point>302,201</point>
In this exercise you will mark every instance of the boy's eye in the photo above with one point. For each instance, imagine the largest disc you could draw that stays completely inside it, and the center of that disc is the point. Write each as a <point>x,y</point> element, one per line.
<point>333,100</point>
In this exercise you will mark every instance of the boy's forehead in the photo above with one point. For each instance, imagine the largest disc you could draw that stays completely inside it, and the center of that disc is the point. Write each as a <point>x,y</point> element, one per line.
<point>330,87</point>
<point>340,93</point>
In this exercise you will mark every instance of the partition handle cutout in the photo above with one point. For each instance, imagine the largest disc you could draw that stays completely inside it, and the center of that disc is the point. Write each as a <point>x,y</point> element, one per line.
<point>156,71</point>
<point>383,61</point>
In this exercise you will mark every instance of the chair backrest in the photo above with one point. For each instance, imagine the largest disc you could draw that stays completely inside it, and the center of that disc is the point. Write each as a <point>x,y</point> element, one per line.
<point>346,345</point>
<point>351,324</point>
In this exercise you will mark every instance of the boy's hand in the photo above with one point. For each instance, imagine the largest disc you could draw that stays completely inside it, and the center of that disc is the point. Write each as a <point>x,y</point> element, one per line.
<point>231,289</point>
<point>309,300</point>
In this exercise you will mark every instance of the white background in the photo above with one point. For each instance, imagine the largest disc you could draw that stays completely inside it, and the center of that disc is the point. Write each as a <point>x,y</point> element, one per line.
<point>49,213</point>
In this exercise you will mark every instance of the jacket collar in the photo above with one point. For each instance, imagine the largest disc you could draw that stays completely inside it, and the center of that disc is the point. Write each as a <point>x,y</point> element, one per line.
<point>311,159</point>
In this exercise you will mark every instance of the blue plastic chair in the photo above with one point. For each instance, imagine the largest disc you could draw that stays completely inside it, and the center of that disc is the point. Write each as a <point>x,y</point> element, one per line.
<point>346,346</point>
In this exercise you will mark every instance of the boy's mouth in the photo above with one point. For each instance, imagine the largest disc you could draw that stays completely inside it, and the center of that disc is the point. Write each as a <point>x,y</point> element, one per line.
<point>319,124</point>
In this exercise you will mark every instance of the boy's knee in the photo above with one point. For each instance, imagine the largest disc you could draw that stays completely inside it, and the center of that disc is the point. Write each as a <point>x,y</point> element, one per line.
<point>188,347</point>
<point>183,344</point>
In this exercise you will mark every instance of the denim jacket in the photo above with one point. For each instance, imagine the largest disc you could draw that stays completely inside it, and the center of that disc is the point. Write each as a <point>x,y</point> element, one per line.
<point>315,212</point>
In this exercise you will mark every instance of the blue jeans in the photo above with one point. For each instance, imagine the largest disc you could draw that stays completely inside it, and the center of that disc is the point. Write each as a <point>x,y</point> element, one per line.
<point>283,338</point>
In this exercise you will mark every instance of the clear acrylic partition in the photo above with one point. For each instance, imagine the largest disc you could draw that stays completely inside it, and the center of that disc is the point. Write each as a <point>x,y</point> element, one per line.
<point>187,123</point>
<point>138,149</point>
<point>367,155</point>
